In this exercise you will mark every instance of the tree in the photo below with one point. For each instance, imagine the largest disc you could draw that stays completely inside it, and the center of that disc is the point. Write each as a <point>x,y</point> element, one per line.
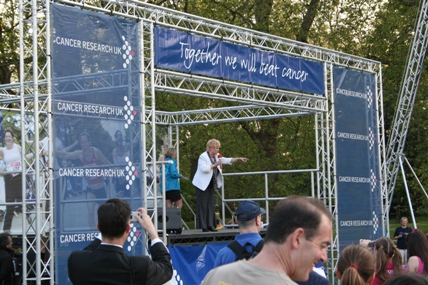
<point>376,29</point>
<point>9,41</point>
<point>390,43</point>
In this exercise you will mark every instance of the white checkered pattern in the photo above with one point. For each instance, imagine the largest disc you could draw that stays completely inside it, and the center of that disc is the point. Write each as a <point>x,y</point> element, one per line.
<point>131,173</point>
<point>375,223</point>
<point>128,53</point>
<point>372,139</point>
<point>130,112</point>
<point>373,180</point>
<point>370,97</point>
<point>132,237</point>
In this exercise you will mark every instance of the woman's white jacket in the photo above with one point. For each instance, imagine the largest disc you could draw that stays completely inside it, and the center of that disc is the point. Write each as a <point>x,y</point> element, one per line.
<point>204,172</point>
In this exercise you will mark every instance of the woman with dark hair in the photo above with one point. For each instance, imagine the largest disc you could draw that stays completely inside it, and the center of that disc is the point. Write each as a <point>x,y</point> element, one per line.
<point>12,156</point>
<point>417,250</point>
<point>355,265</point>
<point>388,260</point>
<point>6,262</point>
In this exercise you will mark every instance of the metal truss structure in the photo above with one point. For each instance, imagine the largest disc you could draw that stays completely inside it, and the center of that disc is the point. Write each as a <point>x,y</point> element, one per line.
<point>32,98</point>
<point>406,100</point>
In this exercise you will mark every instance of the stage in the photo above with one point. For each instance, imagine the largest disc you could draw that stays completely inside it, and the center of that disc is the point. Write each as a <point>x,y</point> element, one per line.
<point>193,252</point>
<point>197,237</point>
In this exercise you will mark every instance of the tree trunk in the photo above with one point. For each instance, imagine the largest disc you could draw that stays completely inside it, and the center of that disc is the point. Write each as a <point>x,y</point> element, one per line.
<point>307,21</point>
<point>262,11</point>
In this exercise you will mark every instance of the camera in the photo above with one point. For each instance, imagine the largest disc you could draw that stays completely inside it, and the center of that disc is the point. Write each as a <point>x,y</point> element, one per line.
<point>133,219</point>
<point>368,242</point>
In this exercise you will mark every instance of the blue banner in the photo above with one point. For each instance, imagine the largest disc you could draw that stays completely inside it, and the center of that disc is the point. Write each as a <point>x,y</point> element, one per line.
<point>96,130</point>
<point>189,53</point>
<point>192,262</point>
<point>357,157</point>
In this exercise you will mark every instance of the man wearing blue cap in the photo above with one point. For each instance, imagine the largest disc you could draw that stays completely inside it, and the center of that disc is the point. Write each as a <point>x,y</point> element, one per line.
<point>249,219</point>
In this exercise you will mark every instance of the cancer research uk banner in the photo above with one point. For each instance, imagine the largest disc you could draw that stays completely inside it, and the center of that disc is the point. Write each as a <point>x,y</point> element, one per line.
<point>189,53</point>
<point>357,156</point>
<point>96,125</point>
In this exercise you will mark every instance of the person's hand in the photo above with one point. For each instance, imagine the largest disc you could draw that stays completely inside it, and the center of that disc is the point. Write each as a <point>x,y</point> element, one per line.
<point>146,223</point>
<point>243,159</point>
<point>365,242</point>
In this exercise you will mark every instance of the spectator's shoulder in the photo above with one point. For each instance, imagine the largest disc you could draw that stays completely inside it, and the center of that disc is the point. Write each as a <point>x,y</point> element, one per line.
<point>93,245</point>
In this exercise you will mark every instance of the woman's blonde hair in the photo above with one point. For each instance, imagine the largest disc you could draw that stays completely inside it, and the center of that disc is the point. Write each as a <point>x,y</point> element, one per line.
<point>170,152</point>
<point>403,218</point>
<point>212,142</point>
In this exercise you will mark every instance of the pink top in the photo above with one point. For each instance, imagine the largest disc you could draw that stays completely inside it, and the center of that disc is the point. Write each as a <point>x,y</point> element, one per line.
<point>420,266</point>
<point>389,269</point>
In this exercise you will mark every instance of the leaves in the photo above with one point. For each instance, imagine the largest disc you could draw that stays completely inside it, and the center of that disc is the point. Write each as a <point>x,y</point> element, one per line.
<point>9,41</point>
<point>376,29</point>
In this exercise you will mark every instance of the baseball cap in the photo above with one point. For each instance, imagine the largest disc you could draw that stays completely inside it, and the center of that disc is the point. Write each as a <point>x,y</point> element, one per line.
<point>248,210</point>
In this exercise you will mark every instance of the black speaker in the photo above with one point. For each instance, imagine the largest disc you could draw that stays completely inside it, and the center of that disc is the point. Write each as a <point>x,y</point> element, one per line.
<point>173,220</point>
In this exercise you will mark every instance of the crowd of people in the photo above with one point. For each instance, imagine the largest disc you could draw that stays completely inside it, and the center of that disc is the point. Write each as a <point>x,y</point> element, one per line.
<point>358,264</point>
<point>297,237</point>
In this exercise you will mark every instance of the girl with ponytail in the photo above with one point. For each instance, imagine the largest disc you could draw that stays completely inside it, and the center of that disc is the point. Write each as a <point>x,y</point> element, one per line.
<point>388,260</point>
<point>356,265</point>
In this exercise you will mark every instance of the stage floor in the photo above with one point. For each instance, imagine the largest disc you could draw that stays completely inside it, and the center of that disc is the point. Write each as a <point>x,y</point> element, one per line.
<point>194,237</point>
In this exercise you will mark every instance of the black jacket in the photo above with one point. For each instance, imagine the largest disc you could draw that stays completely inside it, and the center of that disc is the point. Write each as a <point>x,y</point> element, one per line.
<point>7,271</point>
<point>108,264</point>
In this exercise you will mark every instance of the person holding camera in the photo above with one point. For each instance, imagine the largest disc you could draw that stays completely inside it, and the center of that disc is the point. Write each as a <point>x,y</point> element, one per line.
<point>105,262</point>
<point>388,260</point>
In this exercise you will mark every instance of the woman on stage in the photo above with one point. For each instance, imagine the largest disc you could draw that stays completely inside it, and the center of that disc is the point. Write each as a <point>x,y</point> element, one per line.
<point>208,177</point>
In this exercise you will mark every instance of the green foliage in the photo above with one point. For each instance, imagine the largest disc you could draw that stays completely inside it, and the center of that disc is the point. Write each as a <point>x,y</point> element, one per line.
<point>389,43</point>
<point>421,222</point>
<point>377,29</point>
<point>9,41</point>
